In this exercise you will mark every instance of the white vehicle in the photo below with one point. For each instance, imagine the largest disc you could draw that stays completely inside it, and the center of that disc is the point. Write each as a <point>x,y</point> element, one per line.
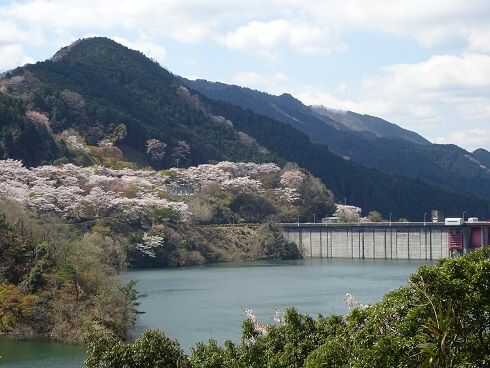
<point>473,220</point>
<point>454,222</point>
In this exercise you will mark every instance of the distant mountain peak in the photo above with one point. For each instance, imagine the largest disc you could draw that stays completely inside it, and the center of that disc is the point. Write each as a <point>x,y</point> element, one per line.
<point>481,150</point>
<point>333,110</point>
<point>483,156</point>
<point>99,42</point>
<point>369,124</point>
<point>289,99</point>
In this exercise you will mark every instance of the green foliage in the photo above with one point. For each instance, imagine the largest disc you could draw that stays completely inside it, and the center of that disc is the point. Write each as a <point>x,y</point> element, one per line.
<point>165,214</point>
<point>316,200</point>
<point>375,216</point>
<point>272,244</point>
<point>152,350</point>
<point>211,355</point>
<point>21,138</point>
<point>212,206</point>
<point>251,207</point>
<point>119,133</point>
<point>16,307</point>
<point>55,282</point>
<point>333,353</point>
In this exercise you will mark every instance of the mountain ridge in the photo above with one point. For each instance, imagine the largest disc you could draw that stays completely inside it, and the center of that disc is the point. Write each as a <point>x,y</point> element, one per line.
<point>483,156</point>
<point>381,128</point>
<point>448,167</point>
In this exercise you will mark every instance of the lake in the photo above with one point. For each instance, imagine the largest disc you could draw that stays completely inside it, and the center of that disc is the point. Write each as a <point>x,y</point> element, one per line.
<point>196,303</point>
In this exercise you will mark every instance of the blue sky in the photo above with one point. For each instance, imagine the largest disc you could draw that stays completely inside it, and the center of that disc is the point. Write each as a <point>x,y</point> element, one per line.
<point>424,65</point>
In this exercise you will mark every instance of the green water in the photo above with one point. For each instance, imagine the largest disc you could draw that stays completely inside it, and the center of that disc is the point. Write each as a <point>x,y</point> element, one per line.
<point>196,303</point>
<point>38,354</point>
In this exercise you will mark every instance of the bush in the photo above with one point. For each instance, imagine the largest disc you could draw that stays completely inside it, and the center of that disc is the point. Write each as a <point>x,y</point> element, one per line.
<point>272,244</point>
<point>165,214</point>
<point>316,200</point>
<point>15,307</point>
<point>252,208</point>
<point>375,216</point>
<point>152,350</point>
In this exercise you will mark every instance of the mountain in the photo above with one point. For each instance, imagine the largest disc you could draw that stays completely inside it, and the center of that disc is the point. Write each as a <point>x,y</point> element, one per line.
<point>369,125</point>
<point>483,156</point>
<point>366,140</point>
<point>99,102</point>
<point>288,109</point>
<point>102,91</point>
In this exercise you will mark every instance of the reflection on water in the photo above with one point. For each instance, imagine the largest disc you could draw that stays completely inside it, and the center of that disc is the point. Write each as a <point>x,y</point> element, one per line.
<point>196,303</point>
<point>38,354</point>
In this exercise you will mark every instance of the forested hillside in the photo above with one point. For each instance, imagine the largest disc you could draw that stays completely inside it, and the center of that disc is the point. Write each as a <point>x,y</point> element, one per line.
<point>21,137</point>
<point>58,282</point>
<point>97,102</point>
<point>107,94</point>
<point>367,140</point>
<point>367,188</point>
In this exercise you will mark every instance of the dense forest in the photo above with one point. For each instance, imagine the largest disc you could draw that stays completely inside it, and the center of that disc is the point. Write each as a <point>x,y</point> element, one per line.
<point>21,138</point>
<point>130,112</point>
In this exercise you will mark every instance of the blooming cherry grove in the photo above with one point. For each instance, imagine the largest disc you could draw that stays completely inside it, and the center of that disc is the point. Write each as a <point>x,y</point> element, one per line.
<point>84,193</point>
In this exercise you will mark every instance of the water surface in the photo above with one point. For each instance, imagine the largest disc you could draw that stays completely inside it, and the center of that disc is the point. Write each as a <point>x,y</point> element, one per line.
<point>195,303</point>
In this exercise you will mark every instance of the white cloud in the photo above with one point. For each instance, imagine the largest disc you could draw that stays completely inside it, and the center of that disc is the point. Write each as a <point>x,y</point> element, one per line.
<point>470,138</point>
<point>479,40</point>
<point>150,49</point>
<point>276,83</point>
<point>264,37</point>
<point>430,24</point>
<point>442,94</point>
<point>300,26</point>
<point>12,56</point>
<point>305,25</point>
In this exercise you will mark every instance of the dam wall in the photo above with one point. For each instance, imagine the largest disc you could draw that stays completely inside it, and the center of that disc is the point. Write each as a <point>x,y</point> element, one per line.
<point>405,241</point>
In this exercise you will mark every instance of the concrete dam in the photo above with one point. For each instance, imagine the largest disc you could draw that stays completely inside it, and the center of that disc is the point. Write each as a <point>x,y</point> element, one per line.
<point>418,241</point>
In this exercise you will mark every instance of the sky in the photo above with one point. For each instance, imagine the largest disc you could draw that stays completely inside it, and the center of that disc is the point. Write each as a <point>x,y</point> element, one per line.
<point>424,65</point>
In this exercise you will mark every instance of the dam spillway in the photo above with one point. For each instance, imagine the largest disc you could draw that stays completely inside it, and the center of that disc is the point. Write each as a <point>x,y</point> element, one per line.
<point>417,241</point>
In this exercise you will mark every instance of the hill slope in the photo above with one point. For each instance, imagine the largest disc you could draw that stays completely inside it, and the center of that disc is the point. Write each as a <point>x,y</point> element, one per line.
<point>367,140</point>
<point>107,92</point>
<point>483,156</point>
<point>99,92</point>
<point>369,125</point>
